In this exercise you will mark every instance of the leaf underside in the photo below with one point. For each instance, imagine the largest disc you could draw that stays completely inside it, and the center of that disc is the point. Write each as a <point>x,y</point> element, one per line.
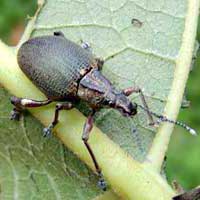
<point>135,55</point>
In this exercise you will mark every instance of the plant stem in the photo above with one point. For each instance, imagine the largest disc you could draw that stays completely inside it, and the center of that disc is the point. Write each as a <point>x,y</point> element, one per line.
<point>109,195</point>
<point>160,144</point>
<point>127,177</point>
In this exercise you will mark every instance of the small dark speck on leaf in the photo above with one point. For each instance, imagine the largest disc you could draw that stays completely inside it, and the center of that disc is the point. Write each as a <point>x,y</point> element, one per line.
<point>136,23</point>
<point>161,101</point>
<point>134,130</point>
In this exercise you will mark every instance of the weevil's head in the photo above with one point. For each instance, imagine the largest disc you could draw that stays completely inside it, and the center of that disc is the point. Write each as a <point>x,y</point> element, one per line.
<point>98,91</point>
<point>120,102</point>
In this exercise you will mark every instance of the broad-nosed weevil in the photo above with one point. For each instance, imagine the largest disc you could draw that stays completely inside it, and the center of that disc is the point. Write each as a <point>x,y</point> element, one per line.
<point>67,72</point>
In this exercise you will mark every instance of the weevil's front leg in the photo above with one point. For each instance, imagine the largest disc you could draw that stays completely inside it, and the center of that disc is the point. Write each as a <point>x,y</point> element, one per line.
<point>85,137</point>
<point>129,91</point>
<point>60,106</point>
<point>20,104</point>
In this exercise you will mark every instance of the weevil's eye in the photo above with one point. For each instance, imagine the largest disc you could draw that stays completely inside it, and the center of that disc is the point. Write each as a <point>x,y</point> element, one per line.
<point>108,102</point>
<point>133,108</point>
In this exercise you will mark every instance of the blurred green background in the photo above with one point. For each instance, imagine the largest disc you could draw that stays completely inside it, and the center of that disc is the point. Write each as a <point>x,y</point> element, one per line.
<point>183,158</point>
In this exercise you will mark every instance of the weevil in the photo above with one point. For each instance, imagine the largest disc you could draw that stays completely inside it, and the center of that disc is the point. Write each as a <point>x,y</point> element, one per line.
<point>66,72</point>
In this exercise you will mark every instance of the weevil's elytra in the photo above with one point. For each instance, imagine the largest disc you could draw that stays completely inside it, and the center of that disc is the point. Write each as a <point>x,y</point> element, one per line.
<point>40,57</point>
<point>64,71</point>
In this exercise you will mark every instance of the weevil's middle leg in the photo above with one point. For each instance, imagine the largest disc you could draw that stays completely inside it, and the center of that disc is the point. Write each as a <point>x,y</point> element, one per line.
<point>60,106</point>
<point>85,137</point>
<point>20,104</point>
<point>129,91</point>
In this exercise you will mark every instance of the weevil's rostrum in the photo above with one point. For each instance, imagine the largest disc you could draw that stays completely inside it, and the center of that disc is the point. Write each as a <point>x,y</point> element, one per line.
<point>67,72</point>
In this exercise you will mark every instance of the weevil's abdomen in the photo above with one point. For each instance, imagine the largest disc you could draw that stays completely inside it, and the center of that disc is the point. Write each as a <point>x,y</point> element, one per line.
<point>55,65</point>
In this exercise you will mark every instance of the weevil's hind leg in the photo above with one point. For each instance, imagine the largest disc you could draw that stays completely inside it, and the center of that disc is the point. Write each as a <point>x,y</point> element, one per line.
<point>20,104</point>
<point>85,137</point>
<point>131,90</point>
<point>60,106</point>
<point>58,33</point>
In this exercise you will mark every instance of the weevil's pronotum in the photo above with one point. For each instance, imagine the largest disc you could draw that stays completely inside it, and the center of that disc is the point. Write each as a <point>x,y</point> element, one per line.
<point>67,72</point>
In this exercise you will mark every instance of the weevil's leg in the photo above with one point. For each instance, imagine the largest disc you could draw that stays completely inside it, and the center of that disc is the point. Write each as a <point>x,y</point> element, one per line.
<point>21,103</point>
<point>60,106</point>
<point>129,91</point>
<point>85,137</point>
<point>100,63</point>
<point>59,33</point>
<point>85,45</point>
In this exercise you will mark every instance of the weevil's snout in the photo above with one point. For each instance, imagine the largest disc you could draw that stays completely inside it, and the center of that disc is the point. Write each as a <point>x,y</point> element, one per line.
<point>125,106</point>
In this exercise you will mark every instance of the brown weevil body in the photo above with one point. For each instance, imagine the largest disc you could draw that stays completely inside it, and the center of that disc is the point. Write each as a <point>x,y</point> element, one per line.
<point>67,72</point>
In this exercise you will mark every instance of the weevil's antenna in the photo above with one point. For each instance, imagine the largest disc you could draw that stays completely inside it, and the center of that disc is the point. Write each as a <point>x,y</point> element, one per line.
<point>162,118</point>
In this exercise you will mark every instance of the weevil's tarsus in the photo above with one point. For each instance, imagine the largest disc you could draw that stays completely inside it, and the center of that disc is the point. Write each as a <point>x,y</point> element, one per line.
<point>60,106</point>
<point>162,118</point>
<point>47,131</point>
<point>15,114</point>
<point>85,137</point>
<point>101,183</point>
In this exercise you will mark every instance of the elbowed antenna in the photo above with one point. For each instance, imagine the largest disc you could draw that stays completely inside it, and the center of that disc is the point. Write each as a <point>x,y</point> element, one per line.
<point>162,118</point>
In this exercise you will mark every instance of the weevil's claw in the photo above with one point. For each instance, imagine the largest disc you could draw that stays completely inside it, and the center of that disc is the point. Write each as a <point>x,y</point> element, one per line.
<point>47,132</point>
<point>102,183</point>
<point>15,115</point>
<point>155,124</point>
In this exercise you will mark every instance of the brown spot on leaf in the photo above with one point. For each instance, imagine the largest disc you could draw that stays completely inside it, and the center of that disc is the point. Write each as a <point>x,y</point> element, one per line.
<point>136,23</point>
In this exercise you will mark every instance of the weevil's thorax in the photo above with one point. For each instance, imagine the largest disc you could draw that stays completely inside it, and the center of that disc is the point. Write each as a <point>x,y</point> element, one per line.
<point>98,91</point>
<point>93,88</point>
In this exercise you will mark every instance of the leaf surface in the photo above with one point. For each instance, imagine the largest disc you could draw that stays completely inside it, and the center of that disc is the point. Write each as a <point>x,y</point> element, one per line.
<point>134,56</point>
<point>140,42</point>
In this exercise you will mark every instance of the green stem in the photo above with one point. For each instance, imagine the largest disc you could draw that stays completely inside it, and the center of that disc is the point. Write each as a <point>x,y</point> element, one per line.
<point>159,147</point>
<point>127,177</point>
<point>109,195</point>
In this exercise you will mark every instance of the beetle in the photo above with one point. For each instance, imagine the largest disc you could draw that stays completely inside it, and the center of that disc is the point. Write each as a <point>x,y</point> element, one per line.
<point>66,72</point>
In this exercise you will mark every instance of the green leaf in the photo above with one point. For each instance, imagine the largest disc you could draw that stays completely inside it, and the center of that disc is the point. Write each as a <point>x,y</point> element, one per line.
<point>135,56</point>
<point>147,54</point>
<point>36,168</point>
